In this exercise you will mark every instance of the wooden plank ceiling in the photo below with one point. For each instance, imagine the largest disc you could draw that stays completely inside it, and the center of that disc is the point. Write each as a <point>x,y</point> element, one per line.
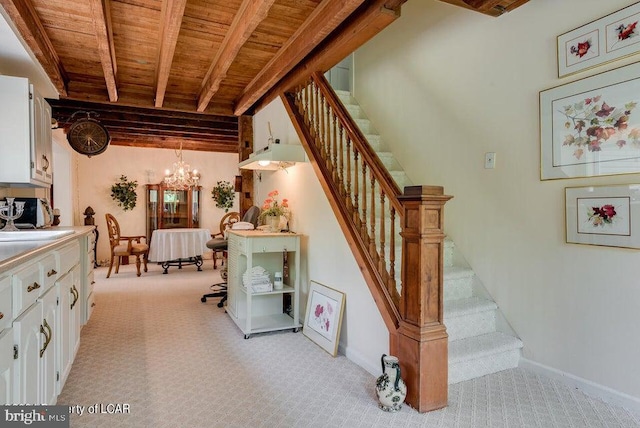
<point>158,73</point>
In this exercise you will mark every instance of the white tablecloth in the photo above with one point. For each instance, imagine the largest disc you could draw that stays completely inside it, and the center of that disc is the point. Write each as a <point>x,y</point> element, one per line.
<point>174,244</point>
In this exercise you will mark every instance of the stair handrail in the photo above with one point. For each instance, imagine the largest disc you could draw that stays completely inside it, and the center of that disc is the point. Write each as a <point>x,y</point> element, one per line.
<point>357,137</point>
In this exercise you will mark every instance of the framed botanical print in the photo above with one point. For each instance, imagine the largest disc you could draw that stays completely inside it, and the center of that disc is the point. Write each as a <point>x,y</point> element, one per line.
<point>606,39</point>
<point>603,215</point>
<point>324,317</point>
<point>591,127</point>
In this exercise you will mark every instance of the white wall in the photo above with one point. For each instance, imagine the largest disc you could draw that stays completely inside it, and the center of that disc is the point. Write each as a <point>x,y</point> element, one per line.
<point>99,173</point>
<point>443,86</point>
<point>327,257</point>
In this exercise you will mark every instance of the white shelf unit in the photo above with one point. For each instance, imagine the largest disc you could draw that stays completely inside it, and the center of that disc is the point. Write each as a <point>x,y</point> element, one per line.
<point>262,312</point>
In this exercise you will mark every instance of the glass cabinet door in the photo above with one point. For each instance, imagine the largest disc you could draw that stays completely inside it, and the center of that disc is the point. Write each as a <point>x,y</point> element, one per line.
<point>175,209</point>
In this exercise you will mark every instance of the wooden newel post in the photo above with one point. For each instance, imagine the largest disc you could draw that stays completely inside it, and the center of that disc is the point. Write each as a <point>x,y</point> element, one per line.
<point>420,342</point>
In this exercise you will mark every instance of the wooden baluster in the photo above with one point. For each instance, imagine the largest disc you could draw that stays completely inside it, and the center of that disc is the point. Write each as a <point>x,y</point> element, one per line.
<point>392,256</point>
<point>322,135</point>
<point>306,105</point>
<point>335,159</point>
<point>364,230</point>
<point>348,195</point>
<point>356,190</point>
<point>316,110</point>
<point>382,262</point>
<point>372,216</point>
<point>341,151</point>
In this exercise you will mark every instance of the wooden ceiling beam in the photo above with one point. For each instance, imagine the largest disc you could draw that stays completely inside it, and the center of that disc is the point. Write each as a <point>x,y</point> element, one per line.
<point>493,8</point>
<point>101,17</point>
<point>325,18</point>
<point>370,19</point>
<point>172,13</point>
<point>23,15</point>
<point>246,20</point>
<point>173,143</point>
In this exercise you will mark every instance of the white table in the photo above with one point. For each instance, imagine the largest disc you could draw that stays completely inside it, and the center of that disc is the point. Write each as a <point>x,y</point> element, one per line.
<point>177,247</point>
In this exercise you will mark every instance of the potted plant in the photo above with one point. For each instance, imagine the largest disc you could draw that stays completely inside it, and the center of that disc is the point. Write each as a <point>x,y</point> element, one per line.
<point>224,194</point>
<point>272,210</point>
<point>124,193</point>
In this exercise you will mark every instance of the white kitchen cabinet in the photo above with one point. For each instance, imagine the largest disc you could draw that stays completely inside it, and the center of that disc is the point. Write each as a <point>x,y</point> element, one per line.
<point>6,366</point>
<point>26,332</point>
<point>87,301</point>
<point>49,332</point>
<point>256,312</point>
<point>25,120</point>
<point>69,322</point>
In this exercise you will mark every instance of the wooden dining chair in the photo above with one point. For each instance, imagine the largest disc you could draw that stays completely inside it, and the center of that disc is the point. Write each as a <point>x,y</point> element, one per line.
<point>122,246</point>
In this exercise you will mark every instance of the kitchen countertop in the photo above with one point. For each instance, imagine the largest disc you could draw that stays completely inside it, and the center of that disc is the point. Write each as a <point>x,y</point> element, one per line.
<point>14,253</point>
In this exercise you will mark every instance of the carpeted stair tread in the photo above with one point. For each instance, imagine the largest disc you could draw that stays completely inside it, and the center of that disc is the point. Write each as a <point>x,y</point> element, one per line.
<point>482,346</point>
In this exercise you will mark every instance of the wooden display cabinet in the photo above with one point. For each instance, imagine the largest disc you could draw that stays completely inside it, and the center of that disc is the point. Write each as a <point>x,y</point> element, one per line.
<point>170,209</point>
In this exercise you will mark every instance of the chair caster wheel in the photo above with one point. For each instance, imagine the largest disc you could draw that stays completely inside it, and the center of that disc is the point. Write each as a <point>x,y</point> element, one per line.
<point>203,299</point>
<point>295,330</point>
<point>246,336</point>
<point>220,304</point>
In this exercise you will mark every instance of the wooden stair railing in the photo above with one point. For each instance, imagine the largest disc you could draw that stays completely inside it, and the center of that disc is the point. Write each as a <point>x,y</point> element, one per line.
<point>382,225</point>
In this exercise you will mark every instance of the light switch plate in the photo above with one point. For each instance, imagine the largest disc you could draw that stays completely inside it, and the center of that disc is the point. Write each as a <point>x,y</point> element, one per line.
<point>489,160</point>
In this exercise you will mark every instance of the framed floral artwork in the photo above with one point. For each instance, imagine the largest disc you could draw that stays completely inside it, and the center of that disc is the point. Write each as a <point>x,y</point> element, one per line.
<point>591,127</point>
<point>603,215</point>
<point>324,317</point>
<point>606,39</point>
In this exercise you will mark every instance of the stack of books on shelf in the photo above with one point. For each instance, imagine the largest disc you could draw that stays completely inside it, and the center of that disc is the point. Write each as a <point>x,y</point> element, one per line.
<point>257,280</point>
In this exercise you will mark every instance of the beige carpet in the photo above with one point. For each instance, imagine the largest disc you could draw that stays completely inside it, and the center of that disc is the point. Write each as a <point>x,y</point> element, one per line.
<point>176,362</point>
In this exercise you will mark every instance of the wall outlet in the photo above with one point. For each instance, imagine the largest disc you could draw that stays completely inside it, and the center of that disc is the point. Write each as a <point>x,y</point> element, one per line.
<point>489,160</point>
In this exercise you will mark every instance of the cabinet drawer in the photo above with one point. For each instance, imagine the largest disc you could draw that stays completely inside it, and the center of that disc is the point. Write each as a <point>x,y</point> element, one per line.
<point>91,304</point>
<point>90,282</point>
<point>27,286</point>
<point>6,313</point>
<point>50,271</point>
<point>271,245</point>
<point>69,256</point>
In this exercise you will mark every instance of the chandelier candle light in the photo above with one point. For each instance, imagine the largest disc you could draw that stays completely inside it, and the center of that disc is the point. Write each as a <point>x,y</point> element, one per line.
<point>182,177</point>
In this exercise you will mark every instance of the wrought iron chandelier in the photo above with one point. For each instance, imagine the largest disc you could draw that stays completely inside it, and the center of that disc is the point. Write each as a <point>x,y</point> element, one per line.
<point>182,177</point>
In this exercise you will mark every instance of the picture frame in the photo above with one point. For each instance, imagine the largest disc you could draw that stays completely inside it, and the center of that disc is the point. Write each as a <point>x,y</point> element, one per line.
<point>323,318</point>
<point>603,215</point>
<point>611,37</point>
<point>591,127</point>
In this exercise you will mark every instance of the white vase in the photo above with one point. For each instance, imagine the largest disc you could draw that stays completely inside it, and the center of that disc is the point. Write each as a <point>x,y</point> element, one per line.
<point>273,221</point>
<point>390,387</point>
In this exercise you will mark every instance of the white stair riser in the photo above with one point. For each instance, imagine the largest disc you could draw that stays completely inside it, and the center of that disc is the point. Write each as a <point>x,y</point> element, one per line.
<point>458,288</point>
<point>472,369</point>
<point>470,325</point>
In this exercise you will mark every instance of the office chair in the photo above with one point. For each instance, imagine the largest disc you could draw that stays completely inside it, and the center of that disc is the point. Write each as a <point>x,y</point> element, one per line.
<point>220,289</point>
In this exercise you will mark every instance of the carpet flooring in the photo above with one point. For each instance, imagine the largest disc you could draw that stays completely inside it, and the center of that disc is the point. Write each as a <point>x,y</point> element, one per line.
<point>153,355</point>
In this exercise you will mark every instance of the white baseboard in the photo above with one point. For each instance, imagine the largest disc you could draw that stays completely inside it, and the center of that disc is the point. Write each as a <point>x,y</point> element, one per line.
<point>357,358</point>
<point>593,389</point>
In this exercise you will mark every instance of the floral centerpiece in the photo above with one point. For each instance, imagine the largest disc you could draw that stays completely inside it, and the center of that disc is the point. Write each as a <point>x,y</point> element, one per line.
<point>272,207</point>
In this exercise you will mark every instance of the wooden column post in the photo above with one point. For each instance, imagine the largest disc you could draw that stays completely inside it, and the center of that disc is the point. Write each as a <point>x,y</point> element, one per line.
<point>245,148</point>
<point>421,340</point>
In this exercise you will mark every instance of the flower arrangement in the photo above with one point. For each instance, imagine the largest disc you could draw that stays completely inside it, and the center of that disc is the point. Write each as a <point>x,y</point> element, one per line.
<point>224,194</point>
<point>271,206</point>
<point>124,193</point>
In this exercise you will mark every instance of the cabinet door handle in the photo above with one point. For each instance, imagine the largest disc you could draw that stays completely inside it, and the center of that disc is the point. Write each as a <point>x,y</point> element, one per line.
<point>76,295</point>
<point>93,304</point>
<point>47,338</point>
<point>45,167</point>
<point>51,273</point>
<point>35,286</point>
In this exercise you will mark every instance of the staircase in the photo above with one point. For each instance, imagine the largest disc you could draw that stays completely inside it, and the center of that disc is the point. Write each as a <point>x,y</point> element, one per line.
<point>480,340</point>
